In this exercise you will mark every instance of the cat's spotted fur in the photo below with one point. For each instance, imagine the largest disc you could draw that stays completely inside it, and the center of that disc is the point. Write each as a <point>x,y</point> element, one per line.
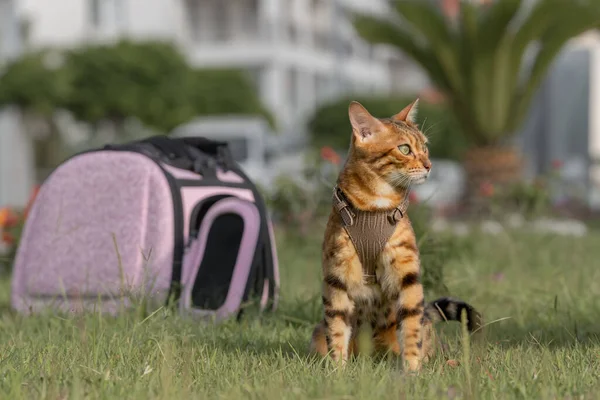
<point>377,177</point>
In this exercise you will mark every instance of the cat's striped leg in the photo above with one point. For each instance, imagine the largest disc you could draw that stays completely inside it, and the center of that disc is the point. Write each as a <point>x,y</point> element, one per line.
<point>385,339</point>
<point>410,317</point>
<point>318,342</point>
<point>384,325</point>
<point>405,292</point>
<point>338,317</point>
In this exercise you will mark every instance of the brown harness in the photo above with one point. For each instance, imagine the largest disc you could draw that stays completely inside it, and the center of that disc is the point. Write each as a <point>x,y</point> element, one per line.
<point>368,230</point>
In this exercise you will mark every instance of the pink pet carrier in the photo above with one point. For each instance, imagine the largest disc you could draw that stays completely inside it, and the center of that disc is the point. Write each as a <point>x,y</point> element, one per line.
<point>163,219</point>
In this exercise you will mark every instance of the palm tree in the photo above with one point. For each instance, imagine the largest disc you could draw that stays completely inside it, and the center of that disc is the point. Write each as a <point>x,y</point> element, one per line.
<point>488,61</point>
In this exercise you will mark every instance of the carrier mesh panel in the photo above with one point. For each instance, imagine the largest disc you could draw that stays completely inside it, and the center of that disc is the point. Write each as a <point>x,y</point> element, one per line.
<point>215,272</point>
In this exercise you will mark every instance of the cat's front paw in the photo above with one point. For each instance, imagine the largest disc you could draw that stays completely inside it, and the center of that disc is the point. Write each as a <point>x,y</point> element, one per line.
<point>412,364</point>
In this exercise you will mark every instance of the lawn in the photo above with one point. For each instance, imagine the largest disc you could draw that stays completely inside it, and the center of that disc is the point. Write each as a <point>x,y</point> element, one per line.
<point>542,291</point>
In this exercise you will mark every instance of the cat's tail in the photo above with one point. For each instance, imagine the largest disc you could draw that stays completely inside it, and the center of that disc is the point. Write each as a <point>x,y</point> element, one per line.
<point>449,309</point>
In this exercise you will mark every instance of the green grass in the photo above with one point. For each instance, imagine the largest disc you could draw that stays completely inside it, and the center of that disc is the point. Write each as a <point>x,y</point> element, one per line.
<point>543,289</point>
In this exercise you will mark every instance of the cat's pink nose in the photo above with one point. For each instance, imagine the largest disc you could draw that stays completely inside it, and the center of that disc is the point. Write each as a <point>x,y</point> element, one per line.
<point>427,165</point>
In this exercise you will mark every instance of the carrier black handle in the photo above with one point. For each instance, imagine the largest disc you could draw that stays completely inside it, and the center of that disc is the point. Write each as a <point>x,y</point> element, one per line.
<point>209,146</point>
<point>218,149</point>
<point>198,154</point>
<point>196,148</point>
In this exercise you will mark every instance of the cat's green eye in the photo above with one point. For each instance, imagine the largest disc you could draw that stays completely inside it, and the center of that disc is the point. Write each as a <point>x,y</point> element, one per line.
<point>404,149</point>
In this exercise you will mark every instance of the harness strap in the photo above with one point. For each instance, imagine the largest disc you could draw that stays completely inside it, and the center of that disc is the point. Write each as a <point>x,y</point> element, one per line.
<point>343,207</point>
<point>368,230</point>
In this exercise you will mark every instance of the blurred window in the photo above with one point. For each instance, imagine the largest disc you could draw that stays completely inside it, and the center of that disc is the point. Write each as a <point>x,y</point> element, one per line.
<point>95,12</point>
<point>250,17</point>
<point>193,18</point>
<point>107,15</point>
<point>221,20</point>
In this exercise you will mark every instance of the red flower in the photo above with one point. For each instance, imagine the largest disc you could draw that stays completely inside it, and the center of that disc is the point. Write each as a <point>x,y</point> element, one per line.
<point>486,189</point>
<point>432,96</point>
<point>3,216</point>
<point>8,218</point>
<point>8,238</point>
<point>451,7</point>
<point>557,164</point>
<point>413,198</point>
<point>329,155</point>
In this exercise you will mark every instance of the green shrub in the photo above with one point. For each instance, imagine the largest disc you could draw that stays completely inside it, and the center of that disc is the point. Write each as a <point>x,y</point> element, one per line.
<point>330,125</point>
<point>299,201</point>
<point>150,81</point>
<point>31,82</point>
<point>528,199</point>
<point>436,249</point>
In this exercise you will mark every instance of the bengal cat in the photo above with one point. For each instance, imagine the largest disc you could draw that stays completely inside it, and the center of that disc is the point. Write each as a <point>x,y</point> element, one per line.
<point>386,157</point>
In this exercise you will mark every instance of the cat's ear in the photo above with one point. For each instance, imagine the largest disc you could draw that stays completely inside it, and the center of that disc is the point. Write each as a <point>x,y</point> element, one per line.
<point>364,125</point>
<point>409,113</point>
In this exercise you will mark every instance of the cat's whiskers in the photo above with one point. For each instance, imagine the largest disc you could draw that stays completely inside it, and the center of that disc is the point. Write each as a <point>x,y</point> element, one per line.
<point>400,180</point>
<point>427,131</point>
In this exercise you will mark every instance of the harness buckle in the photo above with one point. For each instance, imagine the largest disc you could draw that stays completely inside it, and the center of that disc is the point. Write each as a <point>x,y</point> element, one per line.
<point>395,216</point>
<point>343,208</point>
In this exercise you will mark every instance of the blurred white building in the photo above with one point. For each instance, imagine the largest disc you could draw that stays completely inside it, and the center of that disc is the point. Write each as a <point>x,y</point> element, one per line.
<point>9,30</point>
<point>16,159</point>
<point>299,52</point>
